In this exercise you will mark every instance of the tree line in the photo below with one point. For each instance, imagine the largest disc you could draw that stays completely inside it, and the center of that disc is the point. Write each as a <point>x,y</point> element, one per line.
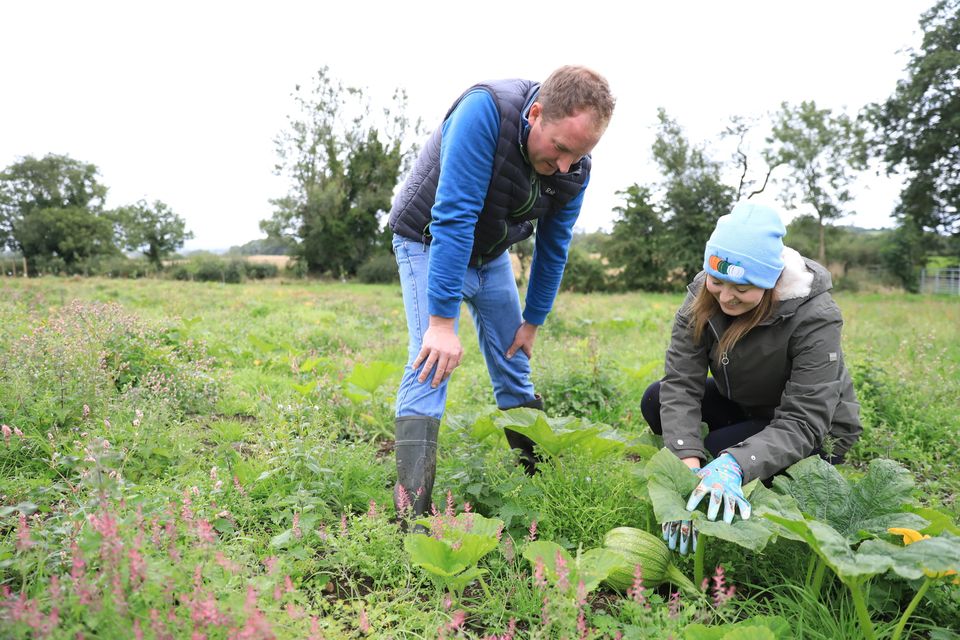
<point>52,214</point>
<point>343,157</point>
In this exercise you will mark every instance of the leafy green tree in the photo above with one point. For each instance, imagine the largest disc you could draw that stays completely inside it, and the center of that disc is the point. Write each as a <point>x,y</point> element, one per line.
<point>343,164</point>
<point>155,230</point>
<point>638,245</point>
<point>66,238</point>
<point>906,252</point>
<point>40,188</point>
<point>51,182</point>
<point>918,127</point>
<point>583,273</point>
<point>822,153</point>
<point>694,197</point>
<point>270,246</point>
<point>657,240</point>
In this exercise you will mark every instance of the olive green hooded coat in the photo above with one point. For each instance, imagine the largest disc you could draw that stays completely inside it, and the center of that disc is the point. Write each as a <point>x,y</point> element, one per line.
<point>789,369</point>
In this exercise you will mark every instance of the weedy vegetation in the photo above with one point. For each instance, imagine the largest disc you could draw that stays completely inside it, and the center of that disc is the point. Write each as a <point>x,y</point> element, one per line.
<point>192,460</point>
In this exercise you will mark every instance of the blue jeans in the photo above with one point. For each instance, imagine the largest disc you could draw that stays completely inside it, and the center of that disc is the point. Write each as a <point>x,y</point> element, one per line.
<point>494,302</point>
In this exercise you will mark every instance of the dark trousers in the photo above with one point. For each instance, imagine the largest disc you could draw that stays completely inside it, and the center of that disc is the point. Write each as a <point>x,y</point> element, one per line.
<point>727,422</point>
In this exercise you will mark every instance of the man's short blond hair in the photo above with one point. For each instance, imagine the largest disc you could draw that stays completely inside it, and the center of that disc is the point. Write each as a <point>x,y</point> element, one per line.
<point>572,89</point>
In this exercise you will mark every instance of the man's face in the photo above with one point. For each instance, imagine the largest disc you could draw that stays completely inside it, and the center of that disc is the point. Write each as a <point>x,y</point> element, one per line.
<point>556,145</point>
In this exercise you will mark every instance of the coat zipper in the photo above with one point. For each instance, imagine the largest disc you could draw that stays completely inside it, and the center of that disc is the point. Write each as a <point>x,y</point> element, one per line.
<point>724,361</point>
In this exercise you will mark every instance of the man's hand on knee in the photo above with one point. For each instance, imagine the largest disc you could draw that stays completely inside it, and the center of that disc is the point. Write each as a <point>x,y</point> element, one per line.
<point>523,339</point>
<point>440,352</point>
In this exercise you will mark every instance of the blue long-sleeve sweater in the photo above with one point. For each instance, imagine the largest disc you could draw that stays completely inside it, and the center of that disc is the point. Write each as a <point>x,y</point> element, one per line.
<point>467,149</point>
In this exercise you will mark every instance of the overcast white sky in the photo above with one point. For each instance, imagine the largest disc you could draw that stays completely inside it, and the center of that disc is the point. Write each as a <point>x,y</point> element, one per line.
<point>181,101</point>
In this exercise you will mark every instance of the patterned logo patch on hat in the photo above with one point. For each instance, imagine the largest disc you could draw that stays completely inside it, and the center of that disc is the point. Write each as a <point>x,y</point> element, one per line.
<point>723,266</point>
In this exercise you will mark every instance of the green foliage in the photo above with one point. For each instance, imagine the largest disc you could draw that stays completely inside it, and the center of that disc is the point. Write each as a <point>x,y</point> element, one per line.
<point>579,498</point>
<point>51,182</point>
<point>583,273</point>
<point>205,268</point>
<point>343,166</point>
<point>153,229</point>
<point>591,567</point>
<point>454,547</point>
<point>821,152</point>
<point>269,246</point>
<point>588,391</point>
<point>665,237</point>
<point>638,242</point>
<point>857,509</point>
<point>918,125</point>
<point>274,471</point>
<point>379,268</point>
<point>87,356</point>
<point>56,240</point>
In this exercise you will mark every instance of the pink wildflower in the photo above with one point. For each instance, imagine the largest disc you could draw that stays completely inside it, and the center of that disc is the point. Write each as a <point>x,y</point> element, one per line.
<point>509,553</point>
<point>293,611</point>
<point>563,572</point>
<point>372,511</point>
<point>23,534</point>
<point>271,565</point>
<point>86,410</point>
<point>403,501</point>
<point>450,505</point>
<point>238,486</point>
<point>7,432</point>
<point>364,622</point>
<point>674,608</point>
<point>315,629</point>
<point>636,591</point>
<point>447,601</point>
<point>297,533</point>
<point>343,524</point>
<point>205,532</point>
<point>539,573</point>
<point>532,535</point>
<point>17,432</point>
<point>721,593</point>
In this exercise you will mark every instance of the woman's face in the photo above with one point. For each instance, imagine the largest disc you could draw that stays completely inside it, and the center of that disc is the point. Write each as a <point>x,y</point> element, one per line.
<point>734,299</point>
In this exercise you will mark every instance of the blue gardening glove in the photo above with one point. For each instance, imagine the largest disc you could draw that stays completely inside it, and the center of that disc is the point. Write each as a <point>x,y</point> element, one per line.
<point>682,531</point>
<point>722,479</point>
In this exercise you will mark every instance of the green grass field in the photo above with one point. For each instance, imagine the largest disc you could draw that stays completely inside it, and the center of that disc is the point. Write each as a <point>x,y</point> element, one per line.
<point>216,460</point>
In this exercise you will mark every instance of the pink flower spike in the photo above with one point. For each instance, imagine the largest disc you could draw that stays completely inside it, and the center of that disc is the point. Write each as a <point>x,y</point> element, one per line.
<point>533,531</point>
<point>23,534</point>
<point>372,511</point>
<point>539,573</point>
<point>364,622</point>
<point>450,506</point>
<point>7,432</point>
<point>563,572</point>
<point>17,432</point>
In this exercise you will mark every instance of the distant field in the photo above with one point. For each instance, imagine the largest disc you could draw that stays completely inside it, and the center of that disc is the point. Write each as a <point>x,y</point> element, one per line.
<point>281,261</point>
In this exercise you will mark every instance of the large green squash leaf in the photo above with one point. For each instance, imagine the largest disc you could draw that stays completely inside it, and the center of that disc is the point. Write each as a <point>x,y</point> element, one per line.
<point>856,509</point>
<point>772,627</point>
<point>829,544</point>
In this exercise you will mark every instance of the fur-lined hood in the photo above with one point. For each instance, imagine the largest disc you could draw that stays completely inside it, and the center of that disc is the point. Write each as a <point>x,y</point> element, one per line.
<point>801,278</point>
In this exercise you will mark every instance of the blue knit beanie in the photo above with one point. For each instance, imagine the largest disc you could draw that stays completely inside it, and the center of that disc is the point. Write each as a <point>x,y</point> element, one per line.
<point>746,246</point>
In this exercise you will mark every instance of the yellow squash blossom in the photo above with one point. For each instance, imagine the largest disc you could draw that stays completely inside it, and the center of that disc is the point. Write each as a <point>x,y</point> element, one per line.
<point>909,537</point>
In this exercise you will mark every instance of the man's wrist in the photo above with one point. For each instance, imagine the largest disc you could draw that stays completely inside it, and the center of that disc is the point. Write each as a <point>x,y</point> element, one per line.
<point>439,322</point>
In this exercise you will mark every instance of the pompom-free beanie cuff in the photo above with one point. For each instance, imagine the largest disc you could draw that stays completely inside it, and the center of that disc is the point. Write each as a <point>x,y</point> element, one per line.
<point>737,268</point>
